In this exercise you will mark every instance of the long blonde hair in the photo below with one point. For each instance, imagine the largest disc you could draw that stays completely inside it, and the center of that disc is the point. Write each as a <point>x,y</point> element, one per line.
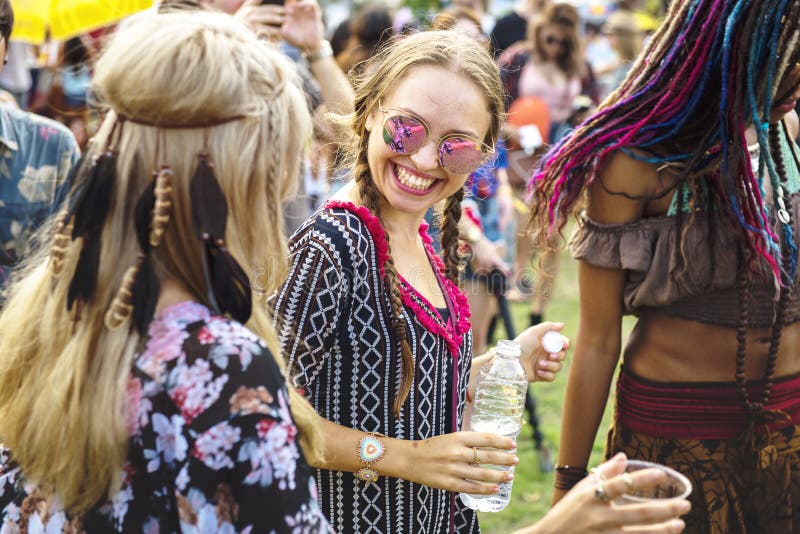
<point>63,375</point>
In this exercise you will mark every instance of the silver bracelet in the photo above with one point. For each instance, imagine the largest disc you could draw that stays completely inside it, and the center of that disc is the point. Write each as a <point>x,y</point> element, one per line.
<point>325,50</point>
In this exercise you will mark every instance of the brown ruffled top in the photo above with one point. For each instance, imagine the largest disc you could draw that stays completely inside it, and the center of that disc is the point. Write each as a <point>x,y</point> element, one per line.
<point>646,250</point>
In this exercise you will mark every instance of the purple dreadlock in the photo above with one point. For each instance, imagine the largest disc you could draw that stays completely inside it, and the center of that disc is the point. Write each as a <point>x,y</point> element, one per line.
<point>712,70</point>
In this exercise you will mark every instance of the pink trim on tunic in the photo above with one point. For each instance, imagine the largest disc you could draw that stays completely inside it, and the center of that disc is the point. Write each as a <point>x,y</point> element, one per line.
<point>453,331</point>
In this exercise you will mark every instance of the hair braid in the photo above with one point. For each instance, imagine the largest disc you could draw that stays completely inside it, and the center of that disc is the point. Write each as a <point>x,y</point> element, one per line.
<point>122,306</point>
<point>370,198</point>
<point>453,261</point>
<point>162,207</point>
<point>61,242</point>
<point>780,312</point>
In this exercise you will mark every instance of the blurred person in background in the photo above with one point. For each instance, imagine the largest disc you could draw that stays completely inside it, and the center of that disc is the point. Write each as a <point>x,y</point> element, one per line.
<point>16,75</point>
<point>548,71</point>
<point>132,396</point>
<point>626,39</point>
<point>487,20</point>
<point>62,88</point>
<point>370,30</point>
<point>299,24</point>
<point>599,53</point>
<point>513,27</point>
<point>35,157</point>
<point>461,19</point>
<point>550,65</point>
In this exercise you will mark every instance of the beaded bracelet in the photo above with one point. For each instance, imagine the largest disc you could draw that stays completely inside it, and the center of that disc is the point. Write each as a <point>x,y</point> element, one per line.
<point>569,475</point>
<point>370,451</point>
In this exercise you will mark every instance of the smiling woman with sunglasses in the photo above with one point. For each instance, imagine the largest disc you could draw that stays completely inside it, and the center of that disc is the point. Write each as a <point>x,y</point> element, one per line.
<point>374,327</point>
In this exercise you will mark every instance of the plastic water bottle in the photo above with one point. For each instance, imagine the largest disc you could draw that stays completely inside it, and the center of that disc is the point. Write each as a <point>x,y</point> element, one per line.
<point>499,403</point>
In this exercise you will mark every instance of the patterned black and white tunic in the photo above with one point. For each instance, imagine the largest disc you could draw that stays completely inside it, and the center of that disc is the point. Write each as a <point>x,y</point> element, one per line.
<point>334,322</point>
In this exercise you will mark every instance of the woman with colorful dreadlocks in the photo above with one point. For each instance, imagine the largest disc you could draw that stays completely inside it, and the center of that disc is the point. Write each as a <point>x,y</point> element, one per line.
<point>685,184</point>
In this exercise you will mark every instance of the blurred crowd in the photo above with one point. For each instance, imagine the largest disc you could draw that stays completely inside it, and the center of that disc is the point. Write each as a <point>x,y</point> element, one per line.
<point>426,164</point>
<point>557,63</point>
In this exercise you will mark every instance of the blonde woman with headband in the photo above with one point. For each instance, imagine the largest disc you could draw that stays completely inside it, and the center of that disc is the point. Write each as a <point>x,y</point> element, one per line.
<point>132,398</point>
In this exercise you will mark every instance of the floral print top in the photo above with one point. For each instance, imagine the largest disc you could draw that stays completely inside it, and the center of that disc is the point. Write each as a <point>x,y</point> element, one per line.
<point>212,444</point>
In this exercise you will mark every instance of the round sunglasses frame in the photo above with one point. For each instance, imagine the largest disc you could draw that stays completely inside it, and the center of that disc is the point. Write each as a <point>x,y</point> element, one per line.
<point>487,152</point>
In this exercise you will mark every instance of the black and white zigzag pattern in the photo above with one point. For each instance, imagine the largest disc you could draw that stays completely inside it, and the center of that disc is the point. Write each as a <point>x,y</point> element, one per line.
<point>333,320</point>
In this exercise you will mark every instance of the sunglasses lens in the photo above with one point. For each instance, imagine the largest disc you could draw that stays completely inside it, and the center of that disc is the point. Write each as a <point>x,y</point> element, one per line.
<point>563,43</point>
<point>460,156</point>
<point>404,135</point>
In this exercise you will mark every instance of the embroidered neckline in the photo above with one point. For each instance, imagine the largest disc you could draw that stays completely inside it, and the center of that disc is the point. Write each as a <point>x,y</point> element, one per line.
<point>453,331</point>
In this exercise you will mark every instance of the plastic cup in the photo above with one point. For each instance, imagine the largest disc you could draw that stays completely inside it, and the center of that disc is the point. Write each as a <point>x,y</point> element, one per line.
<point>674,486</point>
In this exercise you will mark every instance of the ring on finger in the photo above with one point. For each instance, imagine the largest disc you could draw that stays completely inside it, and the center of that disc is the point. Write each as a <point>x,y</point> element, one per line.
<point>628,482</point>
<point>600,491</point>
<point>476,456</point>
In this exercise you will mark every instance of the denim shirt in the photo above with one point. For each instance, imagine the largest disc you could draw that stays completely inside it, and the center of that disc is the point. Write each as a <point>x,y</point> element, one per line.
<point>36,155</point>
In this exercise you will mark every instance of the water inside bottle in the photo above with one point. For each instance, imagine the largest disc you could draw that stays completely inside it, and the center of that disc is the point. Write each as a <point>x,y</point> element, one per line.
<point>499,403</point>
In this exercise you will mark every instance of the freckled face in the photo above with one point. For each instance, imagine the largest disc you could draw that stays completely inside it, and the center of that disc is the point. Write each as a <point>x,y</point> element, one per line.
<point>450,103</point>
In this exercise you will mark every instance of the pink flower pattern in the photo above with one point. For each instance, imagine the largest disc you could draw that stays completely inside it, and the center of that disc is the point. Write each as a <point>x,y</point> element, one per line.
<point>190,455</point>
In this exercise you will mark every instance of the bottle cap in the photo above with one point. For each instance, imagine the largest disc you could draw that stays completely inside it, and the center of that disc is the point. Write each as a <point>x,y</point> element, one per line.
<point>552,342</point>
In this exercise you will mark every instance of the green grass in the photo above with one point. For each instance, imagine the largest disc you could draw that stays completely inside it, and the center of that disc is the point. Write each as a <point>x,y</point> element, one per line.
<point>530,498</point>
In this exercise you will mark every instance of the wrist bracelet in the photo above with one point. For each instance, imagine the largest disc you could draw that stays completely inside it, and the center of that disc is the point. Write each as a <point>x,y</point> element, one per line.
<point>370,451</point>
<point>568,475</point>
<point>325,50</point>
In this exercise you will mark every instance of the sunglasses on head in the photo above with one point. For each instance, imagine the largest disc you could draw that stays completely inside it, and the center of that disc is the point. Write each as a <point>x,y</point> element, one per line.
<point>405,134</point>
<point>550,40</point>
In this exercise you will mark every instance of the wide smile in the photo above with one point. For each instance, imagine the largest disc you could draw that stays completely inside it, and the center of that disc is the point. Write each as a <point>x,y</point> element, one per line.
<point>411,182</point>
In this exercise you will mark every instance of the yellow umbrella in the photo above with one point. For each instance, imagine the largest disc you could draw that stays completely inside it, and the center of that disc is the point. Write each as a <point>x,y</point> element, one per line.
<point>68,18</point>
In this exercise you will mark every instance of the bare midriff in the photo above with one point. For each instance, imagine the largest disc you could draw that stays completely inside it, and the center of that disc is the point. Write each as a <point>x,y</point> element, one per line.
<point>668,349</point>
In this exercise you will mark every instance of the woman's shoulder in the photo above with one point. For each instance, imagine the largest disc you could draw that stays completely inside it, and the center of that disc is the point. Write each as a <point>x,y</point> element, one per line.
<point>187,340</point>
<point>343,230</point>
<point>626,183</point>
